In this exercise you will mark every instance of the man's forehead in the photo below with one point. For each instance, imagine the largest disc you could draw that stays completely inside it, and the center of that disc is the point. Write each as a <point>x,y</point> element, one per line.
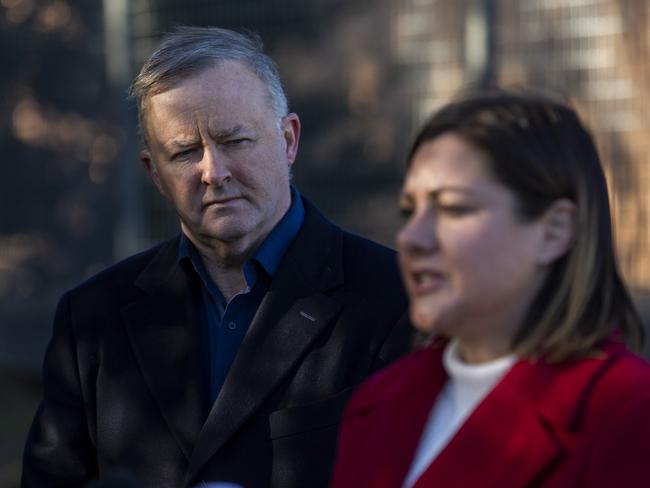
<point>229,81</point>
<point>222,98</point>
<point>224,70</point>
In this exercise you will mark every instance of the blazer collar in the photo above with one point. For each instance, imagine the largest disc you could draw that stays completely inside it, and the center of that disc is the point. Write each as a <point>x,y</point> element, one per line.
<point>522,427</point>
<point>165,336</point>
<point>293,313</point>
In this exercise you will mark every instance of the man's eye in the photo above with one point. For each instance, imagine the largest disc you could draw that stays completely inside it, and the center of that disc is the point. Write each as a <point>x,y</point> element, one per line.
<point>182,154</point>
<point>236,142</point>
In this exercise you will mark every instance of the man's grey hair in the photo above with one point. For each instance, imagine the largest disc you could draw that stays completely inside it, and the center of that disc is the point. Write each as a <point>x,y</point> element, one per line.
<point>187,51</point>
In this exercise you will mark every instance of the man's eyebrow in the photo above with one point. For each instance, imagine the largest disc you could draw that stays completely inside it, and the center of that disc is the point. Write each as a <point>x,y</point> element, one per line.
<point>223,134</point>
<point>182,143</point>
<point>229,132</point>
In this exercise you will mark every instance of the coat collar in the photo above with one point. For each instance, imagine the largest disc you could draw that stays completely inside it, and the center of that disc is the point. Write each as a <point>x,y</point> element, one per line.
<point>165,336</point>
<point>292,314</point>
<point>524,426</point>
<point>164,333</point>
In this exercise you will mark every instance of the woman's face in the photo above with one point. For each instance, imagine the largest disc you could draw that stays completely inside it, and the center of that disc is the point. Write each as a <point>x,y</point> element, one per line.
<point>471,265</point>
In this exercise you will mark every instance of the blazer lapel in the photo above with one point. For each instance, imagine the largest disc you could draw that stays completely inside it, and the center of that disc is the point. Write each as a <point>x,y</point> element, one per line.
<point>164,334</point>
<point>504,443</point>
<point>411,406</point>
<point>520,430</point>
<point>292,315</point>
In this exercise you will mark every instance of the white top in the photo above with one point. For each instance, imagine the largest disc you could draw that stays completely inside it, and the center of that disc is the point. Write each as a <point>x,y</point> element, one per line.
<point>467,385</point>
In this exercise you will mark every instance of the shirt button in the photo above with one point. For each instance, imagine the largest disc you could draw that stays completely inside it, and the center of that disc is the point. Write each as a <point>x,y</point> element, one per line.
<point>232,325</point>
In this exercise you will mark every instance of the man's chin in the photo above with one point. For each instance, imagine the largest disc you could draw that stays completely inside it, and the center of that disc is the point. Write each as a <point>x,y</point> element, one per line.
<point>228,233</point>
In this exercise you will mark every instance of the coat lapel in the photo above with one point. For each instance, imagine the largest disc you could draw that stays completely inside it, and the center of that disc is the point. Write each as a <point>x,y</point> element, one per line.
<point>520,430</point>
<point>291,316</point>
<point>411,405</point>
<point>503,443</point>
<point>164,334</point>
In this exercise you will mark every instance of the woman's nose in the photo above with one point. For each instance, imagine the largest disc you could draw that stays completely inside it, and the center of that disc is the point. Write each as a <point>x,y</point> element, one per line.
<point>419,234</point>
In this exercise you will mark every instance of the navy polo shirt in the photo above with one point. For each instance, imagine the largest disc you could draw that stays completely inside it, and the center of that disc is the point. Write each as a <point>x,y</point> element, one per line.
<point>225,323</point>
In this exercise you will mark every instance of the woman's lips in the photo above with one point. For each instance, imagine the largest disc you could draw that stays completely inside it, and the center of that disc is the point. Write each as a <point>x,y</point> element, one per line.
<point>425,281</point>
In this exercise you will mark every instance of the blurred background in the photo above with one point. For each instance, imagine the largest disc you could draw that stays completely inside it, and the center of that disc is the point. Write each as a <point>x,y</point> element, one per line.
<point>362,75</point>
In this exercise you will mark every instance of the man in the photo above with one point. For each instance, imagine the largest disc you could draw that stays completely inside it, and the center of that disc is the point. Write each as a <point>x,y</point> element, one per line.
<point>228,353</point>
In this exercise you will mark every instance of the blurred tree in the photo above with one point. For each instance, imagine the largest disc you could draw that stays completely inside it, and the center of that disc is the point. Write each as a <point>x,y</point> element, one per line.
<point>58,143</point>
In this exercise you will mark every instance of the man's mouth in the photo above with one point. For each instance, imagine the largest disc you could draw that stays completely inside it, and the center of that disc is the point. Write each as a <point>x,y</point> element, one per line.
<point>220,201</point>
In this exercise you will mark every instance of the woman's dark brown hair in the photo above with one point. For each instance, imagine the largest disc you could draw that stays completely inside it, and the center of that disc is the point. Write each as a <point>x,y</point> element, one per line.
<point>541,151</point>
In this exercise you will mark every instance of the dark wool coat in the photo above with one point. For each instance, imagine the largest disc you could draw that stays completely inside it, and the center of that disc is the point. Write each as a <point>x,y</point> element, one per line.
<point>125,379</point>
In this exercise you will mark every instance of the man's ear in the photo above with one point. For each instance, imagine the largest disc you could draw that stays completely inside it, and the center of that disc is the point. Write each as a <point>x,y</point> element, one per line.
<point>291,133</point>
<point>559,229</point>
<point>150,168</point>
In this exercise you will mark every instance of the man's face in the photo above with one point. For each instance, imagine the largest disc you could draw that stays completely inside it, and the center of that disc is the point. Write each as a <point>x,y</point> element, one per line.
<point>221,156</point>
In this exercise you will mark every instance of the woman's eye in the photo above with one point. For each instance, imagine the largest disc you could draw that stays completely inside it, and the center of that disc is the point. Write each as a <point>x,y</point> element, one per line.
<point>405,212</point>
<point>455,210</point>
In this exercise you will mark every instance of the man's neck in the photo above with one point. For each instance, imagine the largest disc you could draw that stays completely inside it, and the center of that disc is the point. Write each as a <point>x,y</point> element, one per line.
<point>226,269</point>
<point>224,260</point>
<point>229,280</point>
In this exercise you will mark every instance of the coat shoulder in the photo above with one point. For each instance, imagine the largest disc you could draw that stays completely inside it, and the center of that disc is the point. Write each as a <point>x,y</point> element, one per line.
<point>616,425</point>
<point>364,250</point>
<point>122,275</point>
<point>368,267</point>
<point>94,301</point>
<point>626,380</point>
<point>372,266</point>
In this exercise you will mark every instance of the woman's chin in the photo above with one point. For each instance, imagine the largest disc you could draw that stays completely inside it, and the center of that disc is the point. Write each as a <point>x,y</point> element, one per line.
<point>425,322</point>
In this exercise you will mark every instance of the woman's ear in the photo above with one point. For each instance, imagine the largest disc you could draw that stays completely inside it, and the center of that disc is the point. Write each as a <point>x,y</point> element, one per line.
<point>559,228</point>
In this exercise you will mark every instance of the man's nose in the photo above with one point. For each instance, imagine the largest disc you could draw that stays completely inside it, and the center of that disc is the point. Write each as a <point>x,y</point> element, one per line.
<point>419,234</point>
<point>215,170</point>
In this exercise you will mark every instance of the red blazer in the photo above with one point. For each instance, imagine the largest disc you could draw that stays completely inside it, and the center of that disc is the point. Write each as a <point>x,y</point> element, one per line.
<point>577,424</point>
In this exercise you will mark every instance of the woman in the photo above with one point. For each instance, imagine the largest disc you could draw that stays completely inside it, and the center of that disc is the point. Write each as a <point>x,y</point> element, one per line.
<point>508,260</point>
